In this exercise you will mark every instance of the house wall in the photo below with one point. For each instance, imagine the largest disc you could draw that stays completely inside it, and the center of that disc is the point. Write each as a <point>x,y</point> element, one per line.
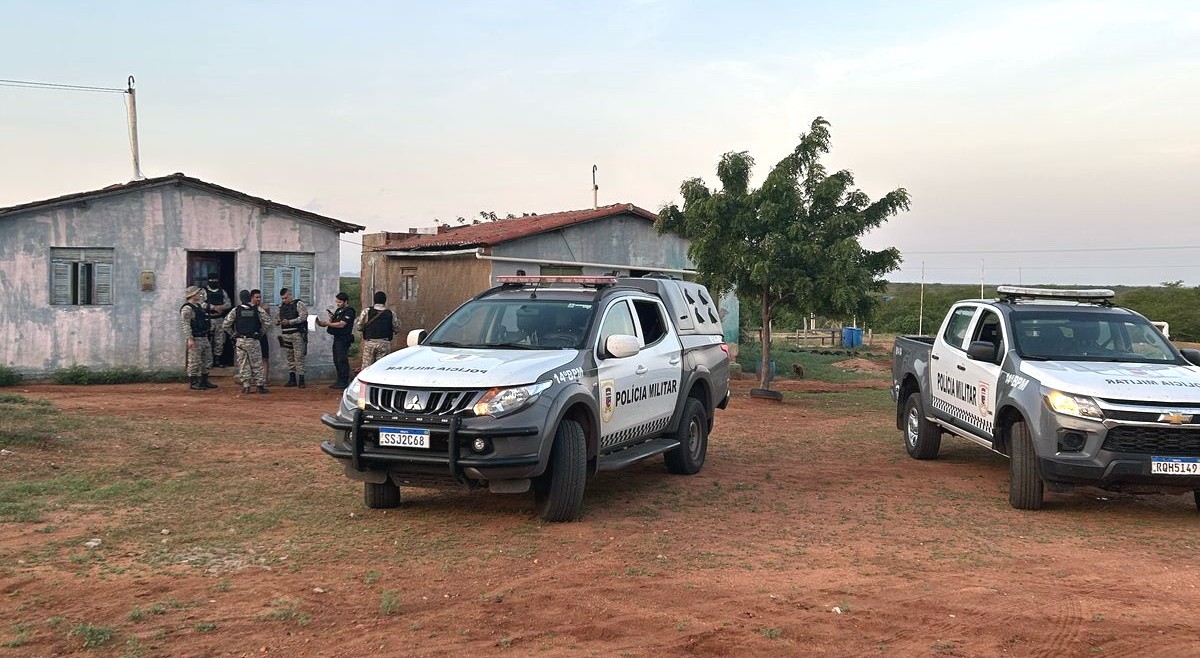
<point>151,230</point>
<point>620,240</point>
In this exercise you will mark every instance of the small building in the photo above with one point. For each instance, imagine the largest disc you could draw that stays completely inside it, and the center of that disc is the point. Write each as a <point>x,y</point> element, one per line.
<point>426,276</point>
<point>97,278</point>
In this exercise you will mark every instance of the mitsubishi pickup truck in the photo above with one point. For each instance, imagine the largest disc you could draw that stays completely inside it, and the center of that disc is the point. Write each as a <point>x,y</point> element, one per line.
<point>538,384</point>
<point>1072,389</point>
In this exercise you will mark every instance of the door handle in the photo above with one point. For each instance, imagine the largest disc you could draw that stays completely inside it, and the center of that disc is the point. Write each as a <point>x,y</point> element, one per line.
<point>934,357</point>
<point>960,366</point>
<point>641,370</point>
<point>674,361</point>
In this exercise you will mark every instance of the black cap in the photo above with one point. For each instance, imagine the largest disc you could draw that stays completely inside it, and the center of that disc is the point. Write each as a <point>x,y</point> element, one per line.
<point>380,297</point>
<point>213,276</point>
<point>244,296</point>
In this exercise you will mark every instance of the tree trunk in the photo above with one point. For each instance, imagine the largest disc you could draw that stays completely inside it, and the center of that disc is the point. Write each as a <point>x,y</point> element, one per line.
<point>764,367</point>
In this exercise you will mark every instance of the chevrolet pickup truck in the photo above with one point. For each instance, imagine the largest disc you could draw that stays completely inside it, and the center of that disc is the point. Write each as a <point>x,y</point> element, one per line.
<point>1072,389</point>
<point>538,384</point>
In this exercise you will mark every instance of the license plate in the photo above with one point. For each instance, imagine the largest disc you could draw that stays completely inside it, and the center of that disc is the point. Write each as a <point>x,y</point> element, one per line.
<point>403,437</point>
<point>1175,465</point>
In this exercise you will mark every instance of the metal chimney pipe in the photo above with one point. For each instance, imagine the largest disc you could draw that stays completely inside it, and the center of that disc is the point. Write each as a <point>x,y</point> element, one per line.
<point>131,98</point>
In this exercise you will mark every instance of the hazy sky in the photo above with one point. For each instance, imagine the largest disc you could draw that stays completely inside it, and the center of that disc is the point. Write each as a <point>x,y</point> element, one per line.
<point>1052,142</point>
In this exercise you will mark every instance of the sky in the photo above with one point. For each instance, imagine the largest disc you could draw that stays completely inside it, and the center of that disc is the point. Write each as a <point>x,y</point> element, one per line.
<point>1041,142</point>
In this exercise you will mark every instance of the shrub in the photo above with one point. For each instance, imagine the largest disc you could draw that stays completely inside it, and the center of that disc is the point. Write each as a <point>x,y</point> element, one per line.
<point>9,377</point>
<point>82,375</point>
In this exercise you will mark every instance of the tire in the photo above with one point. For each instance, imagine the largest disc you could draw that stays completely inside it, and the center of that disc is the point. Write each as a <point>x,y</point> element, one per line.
<point>692,435</point>
<point>1025,488</point>
<point>385,495</point>
<point>922,439</point>
<point>1196,498</point>
<point>559,492</point>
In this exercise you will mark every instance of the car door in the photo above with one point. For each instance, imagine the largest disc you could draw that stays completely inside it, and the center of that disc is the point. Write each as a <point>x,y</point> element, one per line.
<point>983,375</point>
<point>659,368</point>
<point>618,378</point>
<point>952,397</point>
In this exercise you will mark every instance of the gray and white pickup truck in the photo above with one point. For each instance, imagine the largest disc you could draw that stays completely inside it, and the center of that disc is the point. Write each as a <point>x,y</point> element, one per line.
<point>1074,390</point>
<point>537,384</point>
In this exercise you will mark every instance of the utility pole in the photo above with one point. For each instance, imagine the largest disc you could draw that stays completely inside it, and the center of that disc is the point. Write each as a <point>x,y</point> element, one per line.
<point>595,189</point>
<point>131,98</point>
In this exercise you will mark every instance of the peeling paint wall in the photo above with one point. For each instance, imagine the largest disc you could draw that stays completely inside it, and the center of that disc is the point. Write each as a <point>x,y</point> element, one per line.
<point>150,230</point>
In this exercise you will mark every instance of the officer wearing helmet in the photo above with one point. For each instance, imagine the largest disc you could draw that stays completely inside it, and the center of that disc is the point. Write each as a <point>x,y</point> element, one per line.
<point>194,322</point>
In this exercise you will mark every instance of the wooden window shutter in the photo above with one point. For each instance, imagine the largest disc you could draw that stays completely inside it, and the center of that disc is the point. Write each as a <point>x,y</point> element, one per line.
<point>103,273</point>
<point>60,283</point>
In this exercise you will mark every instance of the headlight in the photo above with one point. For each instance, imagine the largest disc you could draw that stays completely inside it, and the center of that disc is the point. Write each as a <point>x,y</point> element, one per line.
<point>355,395</point>
<point>503,401</point>
<point>1074,405</point>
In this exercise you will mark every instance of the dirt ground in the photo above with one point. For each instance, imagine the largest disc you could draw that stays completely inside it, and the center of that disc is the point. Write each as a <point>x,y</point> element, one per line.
<point>808,532</point>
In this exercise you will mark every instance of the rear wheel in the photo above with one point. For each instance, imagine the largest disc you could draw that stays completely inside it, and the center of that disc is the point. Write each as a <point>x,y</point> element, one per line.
<point>922,439</point>
<point>692,435</point>
<point>1196,498</point>
<point>559,492</point>
<point>1025,488</point>
<point>382,495</point>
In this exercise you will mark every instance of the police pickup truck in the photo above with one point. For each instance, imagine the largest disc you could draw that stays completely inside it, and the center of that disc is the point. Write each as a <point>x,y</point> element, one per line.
<point>538,384</point>
<point>1074,390</point>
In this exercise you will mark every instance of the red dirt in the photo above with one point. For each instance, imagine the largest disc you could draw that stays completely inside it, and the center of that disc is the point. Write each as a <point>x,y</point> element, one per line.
<point>796,539</point>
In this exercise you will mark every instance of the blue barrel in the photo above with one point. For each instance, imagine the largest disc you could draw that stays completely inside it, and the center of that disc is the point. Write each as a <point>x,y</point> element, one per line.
<point>851,337</point>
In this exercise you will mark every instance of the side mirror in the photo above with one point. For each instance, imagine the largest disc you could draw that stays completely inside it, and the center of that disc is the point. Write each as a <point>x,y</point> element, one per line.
<point>982,350</point>
<point>416,337</point>
<point>620,346</point>
<point>1193,356</point>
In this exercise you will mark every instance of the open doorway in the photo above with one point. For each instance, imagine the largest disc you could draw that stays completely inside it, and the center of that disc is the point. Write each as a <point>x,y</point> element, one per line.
<point>223,263</point>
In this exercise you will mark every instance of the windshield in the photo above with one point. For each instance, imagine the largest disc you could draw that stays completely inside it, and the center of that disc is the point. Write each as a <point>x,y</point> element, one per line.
<point>1089,335</point>
<point>530,324</point>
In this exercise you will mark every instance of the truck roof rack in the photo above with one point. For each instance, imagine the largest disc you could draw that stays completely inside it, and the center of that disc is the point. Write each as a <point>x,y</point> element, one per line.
<point>526,280</point>
<point>1101,296</point>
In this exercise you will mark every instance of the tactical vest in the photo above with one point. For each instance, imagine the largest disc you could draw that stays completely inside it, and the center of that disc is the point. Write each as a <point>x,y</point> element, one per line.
<point>378,325</point>
<point>290,311</point>
<point>198,323</point>
<point>247,323</point>
<point>214,298</point>
<point>345,314</point>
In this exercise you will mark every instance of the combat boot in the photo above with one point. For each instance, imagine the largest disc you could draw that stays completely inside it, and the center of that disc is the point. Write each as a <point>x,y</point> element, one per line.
<point>300,381</point>
<point>262,389</point>
<point>246,390</point>
<point>204,383</point>
<point>195,384</point>
<point>291,380</point>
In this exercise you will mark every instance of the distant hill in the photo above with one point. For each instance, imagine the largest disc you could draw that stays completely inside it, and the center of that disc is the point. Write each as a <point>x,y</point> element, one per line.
<point>898,308</point>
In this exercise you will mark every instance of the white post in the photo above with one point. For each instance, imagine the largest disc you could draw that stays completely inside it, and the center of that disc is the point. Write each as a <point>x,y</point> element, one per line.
<point>595,190</point>
<point>131,96</point>
<point>921,306</point>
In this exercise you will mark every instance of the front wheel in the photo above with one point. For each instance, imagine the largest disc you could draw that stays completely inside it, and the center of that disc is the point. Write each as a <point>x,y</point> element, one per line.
<point>692,435</point>
<point>1025,487</point>
<point>381,495</point>
<point>559,492</point>
<point>922,439</point>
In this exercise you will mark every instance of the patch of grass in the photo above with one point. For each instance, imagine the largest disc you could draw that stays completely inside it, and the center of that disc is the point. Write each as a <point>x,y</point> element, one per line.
<point>8,376</point>
<point>82,375</point>
<point>20,636</point>
<point>93,635</point>
<point>205,626</point>
<point>770,633</point>
<point>816,365</point>
<point>389,602</point>
<point>287,610</point>
<point>371,578</point>
<point>223,586</point>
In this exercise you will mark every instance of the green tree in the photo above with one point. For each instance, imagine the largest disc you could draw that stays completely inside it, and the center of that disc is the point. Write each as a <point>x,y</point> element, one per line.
<point>791,243</point>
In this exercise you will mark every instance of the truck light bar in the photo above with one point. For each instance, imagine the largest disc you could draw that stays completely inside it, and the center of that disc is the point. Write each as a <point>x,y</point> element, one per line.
<point>1093,295</point>
<point>579,280</point>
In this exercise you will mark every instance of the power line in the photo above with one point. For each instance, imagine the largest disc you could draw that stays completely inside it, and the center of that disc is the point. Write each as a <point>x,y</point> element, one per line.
<point>1051,251</point>
<point>975,268</point>
<point>29,84</point>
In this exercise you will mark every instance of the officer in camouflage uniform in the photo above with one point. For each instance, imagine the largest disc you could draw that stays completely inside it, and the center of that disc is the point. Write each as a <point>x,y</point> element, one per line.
<point>247,323</point>
<point>378,326</point>
<point>293,338</point>
<point>195,324</point>
<point>216,305</point>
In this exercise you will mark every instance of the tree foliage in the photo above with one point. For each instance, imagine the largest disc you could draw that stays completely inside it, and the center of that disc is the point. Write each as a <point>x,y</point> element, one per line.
<point>792,243</point>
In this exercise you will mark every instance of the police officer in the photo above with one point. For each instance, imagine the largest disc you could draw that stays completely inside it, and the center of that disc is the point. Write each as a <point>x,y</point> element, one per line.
<point>216,306</point>
<point>340,325</point>
<point>196,329</point>
<point>247,323</point>
<point>378,326</point>
<point>293,320</point>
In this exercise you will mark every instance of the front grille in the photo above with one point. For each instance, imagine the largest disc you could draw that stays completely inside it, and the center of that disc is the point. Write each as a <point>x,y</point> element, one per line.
<point>1164,441</point>
<point>421,401</point>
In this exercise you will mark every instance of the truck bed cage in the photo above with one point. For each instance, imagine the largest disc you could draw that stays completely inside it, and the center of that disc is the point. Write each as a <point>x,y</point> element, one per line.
<point>1099,296</point>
